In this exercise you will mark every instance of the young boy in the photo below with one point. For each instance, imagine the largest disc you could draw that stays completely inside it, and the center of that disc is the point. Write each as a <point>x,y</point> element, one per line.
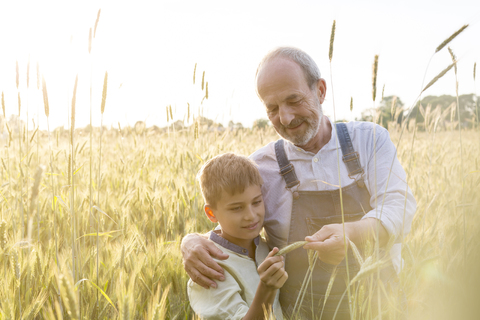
<point>231,188</point>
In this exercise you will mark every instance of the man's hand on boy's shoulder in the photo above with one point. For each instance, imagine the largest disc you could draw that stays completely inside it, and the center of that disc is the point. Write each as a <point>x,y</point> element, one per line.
<point>272,272</point>
<point>197,252</point>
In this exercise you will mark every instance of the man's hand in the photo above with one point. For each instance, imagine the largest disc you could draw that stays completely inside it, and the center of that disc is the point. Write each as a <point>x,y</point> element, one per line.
<point>197,254</point>
<point>329,244</point>
<point>271,271</point>
<point>329,241</point>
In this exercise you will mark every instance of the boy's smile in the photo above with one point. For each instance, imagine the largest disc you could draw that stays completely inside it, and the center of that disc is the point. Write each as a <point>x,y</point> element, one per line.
<point>240,215</point>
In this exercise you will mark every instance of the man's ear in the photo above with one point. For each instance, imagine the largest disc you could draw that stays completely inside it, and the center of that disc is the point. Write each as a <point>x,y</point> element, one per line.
<point>209,213</point>
<point>321,90</point>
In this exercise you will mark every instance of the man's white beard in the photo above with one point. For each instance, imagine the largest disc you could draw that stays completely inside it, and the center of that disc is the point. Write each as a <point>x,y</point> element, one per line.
<point>310,133</point>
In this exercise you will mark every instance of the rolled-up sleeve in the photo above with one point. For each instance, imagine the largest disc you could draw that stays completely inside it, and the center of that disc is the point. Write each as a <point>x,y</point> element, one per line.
<point>391,199</point>
<point>223,303</point>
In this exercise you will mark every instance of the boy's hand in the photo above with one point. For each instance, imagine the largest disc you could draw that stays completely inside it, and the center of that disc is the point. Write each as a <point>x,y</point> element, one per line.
<point>271,271</point>
<point>197,254</point>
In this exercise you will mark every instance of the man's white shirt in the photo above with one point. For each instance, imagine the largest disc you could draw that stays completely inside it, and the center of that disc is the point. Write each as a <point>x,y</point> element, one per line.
<point>391,199</point>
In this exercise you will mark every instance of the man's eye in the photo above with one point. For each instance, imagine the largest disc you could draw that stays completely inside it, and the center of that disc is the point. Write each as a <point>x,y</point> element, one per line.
<point>257,202</point>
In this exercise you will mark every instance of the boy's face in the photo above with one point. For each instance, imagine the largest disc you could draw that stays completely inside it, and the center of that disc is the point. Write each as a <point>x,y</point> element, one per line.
<point>240,216</point>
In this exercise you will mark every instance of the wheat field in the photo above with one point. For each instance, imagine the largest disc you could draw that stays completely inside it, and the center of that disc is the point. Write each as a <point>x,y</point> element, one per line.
<point>148,200</point>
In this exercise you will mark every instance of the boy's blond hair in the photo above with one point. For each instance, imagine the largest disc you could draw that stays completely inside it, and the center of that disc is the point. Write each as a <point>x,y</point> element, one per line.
<point>230,172</point>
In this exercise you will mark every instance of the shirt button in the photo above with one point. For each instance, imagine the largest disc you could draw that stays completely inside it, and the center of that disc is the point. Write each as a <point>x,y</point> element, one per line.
<point>315,159</point>
<point>244,250</point>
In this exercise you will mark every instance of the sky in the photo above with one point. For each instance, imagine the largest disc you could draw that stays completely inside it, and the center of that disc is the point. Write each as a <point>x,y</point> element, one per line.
<point>150,49</point>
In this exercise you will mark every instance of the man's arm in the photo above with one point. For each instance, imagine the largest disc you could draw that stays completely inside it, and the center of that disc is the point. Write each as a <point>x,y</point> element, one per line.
<point>197,252</point>
<point>392,202</point>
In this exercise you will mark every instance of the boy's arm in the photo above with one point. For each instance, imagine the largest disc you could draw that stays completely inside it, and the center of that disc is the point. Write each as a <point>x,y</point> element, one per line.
<point>197,252</point>
<point>272,277</point>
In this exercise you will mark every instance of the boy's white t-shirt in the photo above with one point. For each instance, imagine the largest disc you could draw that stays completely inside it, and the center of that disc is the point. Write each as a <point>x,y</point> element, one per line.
<point>233,297</point>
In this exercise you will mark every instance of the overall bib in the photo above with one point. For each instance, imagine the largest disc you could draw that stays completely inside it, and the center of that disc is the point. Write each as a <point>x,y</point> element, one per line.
<point>310,211</point>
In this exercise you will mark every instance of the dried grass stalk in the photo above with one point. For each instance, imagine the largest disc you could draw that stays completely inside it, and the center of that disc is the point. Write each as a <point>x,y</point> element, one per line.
<point>203,80</point>
<point>332,38</point>
<point>441,74</point>
<point>444,43</point>
<point>474,70</point>
<point>291,247</point>
<point>351,103</point>
<point>206,90</point>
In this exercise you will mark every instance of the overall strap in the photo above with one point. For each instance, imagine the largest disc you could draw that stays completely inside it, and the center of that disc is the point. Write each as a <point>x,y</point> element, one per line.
<point>350,156</point>
<point>286,168</point>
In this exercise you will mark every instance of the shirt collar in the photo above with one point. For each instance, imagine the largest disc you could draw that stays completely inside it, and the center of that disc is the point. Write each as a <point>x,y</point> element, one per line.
<point>231,246</point>
<point>327,147</point>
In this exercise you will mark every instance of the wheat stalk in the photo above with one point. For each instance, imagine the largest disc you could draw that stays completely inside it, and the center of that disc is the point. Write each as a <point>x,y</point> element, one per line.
<point>441,74</point>
<point>194,72</point>
<point>453,36</point>
<point>332,38</point>
<point>3,105</point>
<point>102,109</point>
<point>36,185</point>
<point>104,93</point>
<point>74,100</point>
<point>45,98</point>
<point>96,23</point>
<point>28,72</point>
<point>291,247</point>
<point>19,104</point>
<point>90,41</point>
<point>374,77</point>
<point>38,76</point>
<point>3,234</point>
<point>18,74</point>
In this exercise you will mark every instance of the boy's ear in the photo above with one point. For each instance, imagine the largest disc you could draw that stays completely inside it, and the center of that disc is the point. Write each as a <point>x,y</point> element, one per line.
<point>210,214</point>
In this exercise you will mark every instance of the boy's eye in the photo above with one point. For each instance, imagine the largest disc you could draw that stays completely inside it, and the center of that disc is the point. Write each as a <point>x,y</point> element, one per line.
<point>235,208</point>
<point>257,202</point>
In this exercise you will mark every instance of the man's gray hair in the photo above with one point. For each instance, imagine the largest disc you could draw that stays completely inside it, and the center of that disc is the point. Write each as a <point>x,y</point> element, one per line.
<point>309,67</point>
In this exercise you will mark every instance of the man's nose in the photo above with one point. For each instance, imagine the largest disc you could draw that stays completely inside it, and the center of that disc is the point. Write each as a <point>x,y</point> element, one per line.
<point>286,115</point>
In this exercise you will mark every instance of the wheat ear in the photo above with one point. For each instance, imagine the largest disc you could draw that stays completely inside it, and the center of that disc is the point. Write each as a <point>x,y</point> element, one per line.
<point>374,77</point>
<point>332,38</point>
<point>291,247</point>
<point>453,36</point>
<point>441,74</point>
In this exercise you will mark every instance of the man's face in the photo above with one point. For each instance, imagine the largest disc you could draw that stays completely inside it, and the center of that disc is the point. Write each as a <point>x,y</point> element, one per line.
<point>293,108</point>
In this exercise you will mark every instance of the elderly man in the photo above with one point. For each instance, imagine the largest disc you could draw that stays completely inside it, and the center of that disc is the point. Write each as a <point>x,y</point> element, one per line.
<point>318,173</point>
